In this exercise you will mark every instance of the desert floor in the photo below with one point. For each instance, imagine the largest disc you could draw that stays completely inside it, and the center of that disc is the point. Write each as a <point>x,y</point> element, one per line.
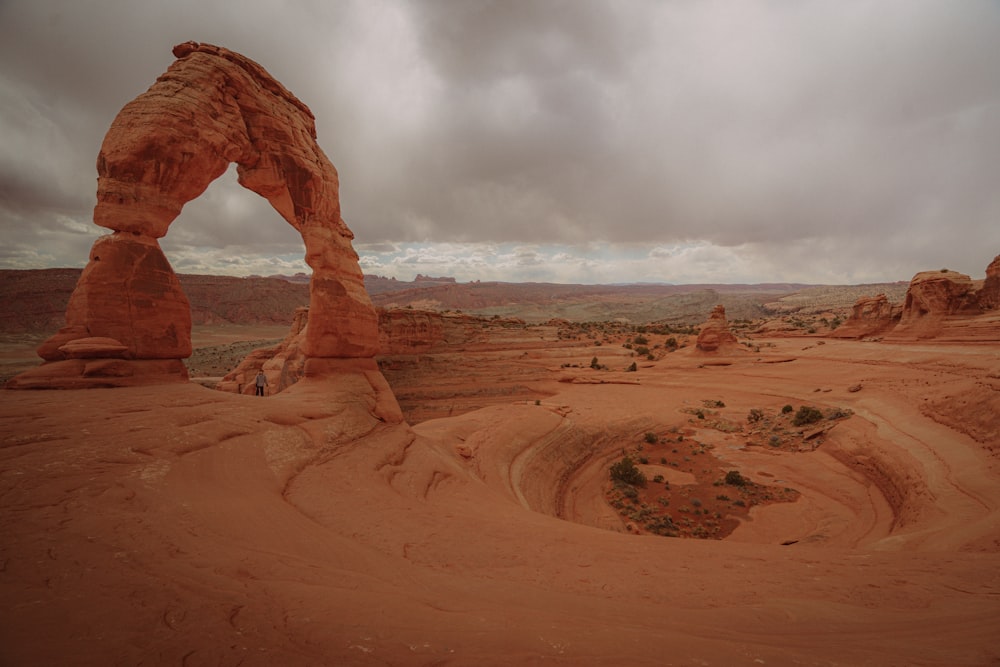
<point>180,525</point>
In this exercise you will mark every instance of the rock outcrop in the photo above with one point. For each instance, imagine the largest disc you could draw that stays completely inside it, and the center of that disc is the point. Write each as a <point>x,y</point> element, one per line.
<point>715,335</point>
<point>211,108</point>
<point>402,331</point>
<point>989,293</point>
<point>932,298</point>
<point>871,316</point>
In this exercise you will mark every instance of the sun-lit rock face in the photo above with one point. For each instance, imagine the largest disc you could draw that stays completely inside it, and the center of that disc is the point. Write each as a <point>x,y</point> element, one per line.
<point>212,107</point>
<point>715,334</point>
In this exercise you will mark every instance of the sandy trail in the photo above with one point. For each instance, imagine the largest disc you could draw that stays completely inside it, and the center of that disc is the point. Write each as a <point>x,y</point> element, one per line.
<point>176,525</point>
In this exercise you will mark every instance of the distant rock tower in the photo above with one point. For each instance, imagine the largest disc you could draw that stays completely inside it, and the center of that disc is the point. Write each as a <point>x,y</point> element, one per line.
<point>715,335</point>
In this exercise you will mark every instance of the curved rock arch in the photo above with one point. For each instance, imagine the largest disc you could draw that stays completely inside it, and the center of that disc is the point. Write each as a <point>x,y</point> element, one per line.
<point>128,318</point>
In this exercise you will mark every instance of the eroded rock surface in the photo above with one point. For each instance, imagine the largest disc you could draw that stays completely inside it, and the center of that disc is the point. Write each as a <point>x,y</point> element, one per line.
<point>211,107</point>
<point>870,316</point>
<point>715,334</point>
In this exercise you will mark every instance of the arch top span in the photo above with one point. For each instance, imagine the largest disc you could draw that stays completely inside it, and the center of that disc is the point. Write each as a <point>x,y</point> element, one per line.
<point>212,107</point>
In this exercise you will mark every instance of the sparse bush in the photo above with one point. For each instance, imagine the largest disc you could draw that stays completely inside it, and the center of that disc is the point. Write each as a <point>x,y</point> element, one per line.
<point>632,369</point>
<point>756,414</point>
<point>839,413</point>
<point>594,363</point>
<point>806,415</point>
<point>624,471</point>
<point>651,438</point>
<point>786,409</point>
<point>734,478</point>
<point>658,479</point>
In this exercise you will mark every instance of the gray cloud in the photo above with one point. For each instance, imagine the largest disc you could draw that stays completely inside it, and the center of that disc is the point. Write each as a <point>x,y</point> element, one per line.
<point>867,132</point>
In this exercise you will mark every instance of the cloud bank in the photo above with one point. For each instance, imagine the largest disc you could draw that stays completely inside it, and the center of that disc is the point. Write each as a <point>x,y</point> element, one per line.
<point>551,140</point>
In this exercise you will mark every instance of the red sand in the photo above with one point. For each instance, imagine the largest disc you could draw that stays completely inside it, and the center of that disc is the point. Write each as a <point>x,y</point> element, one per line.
<point>178,525</point>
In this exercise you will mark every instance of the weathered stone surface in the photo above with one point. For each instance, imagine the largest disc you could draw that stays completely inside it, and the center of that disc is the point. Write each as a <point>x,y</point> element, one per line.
<point>932,297</point>
<point>283,364</point>
<point>401,331</point>
<point>715,335</point>
<point>212,107</point>
<point>870,316</point>
<point>989,293</point>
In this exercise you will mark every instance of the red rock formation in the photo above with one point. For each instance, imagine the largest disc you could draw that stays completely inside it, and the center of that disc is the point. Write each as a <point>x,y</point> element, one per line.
<point>932,297</point>
<point>212,107</point>
<point>401,332</point>
<point>871,316</point>
<point>715,335</point>
<point>283,364</point>
<point>989,294</point>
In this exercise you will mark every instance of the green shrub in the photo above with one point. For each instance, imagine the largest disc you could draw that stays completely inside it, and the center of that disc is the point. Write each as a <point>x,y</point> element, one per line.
<point>806,415</point>
<point>786,409</point>
<point>624,471</point>
<point>651,438</point>
<point>734,478</point>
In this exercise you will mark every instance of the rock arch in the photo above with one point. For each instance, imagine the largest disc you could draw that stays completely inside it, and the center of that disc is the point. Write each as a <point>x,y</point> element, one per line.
<point>128,320</point>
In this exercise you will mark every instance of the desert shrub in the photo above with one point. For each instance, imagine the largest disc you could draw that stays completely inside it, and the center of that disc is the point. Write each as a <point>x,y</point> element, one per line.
<point>786,409</point>
<point>663,460</point>
<point>696,502</point>
<point>640,340</point>
<point>839,413</point>
<point>651,438</point>
<point>722,497</point>
<point>734,478</point>
<point>756,414</point>
<point>624,471</point>
<point>699,414</point>
<point>594,363</point>
<point>775,441</point>
<point>806,415</point>
<point>671,343</point>
<point>658,479</point>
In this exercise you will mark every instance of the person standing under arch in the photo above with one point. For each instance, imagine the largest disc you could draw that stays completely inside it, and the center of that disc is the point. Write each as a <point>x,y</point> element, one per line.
<point>260,382</point>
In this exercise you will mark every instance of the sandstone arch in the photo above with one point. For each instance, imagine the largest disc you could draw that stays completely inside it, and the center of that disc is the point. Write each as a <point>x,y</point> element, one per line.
<point>128,321</point>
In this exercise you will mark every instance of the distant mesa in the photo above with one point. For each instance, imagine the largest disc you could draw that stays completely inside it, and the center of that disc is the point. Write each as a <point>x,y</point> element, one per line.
<point>715,335</point>
<point>211,108</point>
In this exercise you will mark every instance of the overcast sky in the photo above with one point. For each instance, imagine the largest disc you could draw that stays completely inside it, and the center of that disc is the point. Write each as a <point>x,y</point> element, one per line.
<point>545,140</point>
